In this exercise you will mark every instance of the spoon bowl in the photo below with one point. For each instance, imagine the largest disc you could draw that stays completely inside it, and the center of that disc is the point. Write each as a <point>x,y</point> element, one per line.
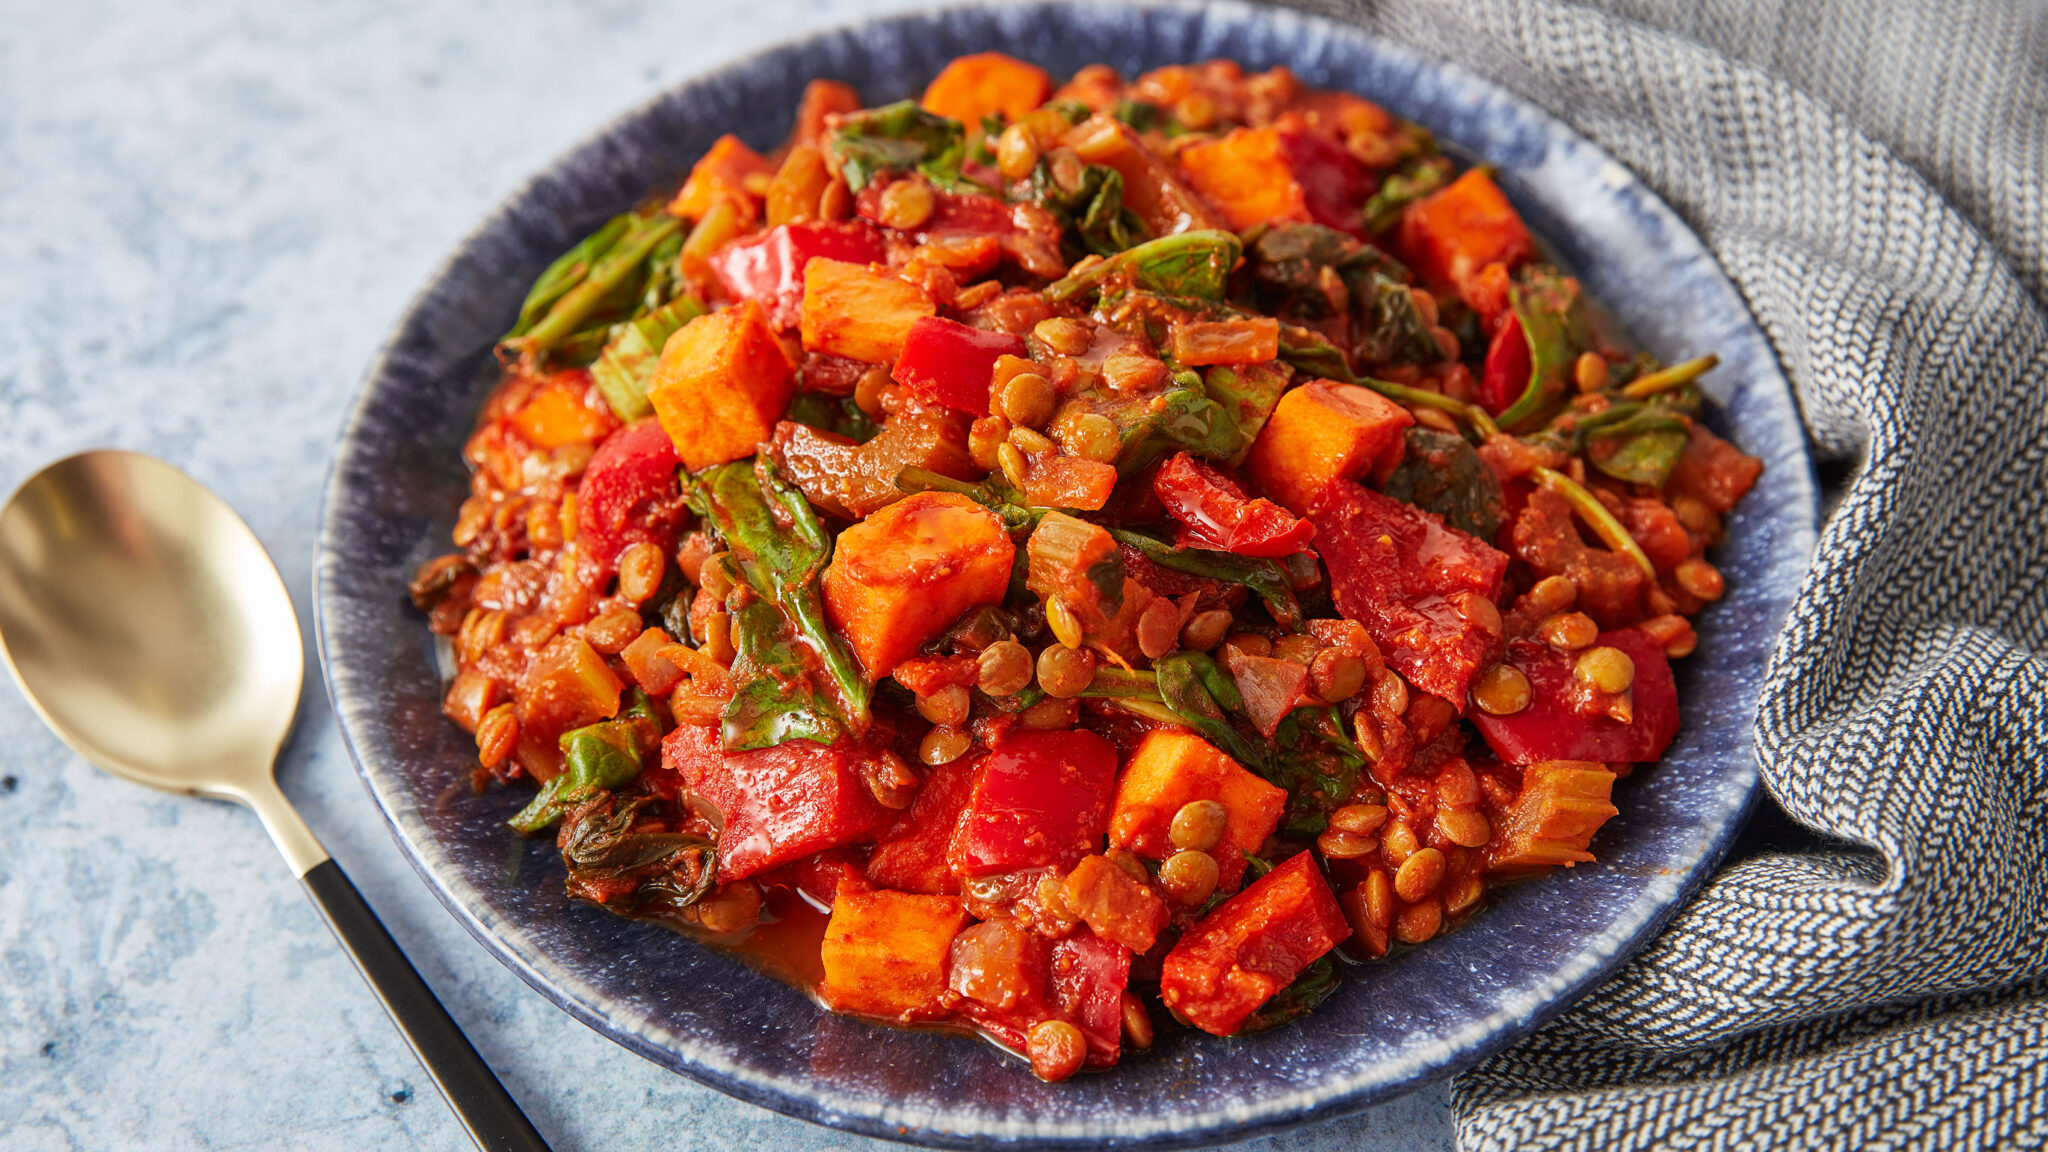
<point>147,626</point>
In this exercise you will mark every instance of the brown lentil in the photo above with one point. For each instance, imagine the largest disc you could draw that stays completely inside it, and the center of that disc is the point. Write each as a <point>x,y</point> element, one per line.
<point>1590,372</point>
<point>1463,892</point>
<point>544,524</point>
<point>1570,631</point>
<point>1028,400</point>
<point>1608,669</point>
<point>1398,838</point>
<point>714,578</point>
<point>1056,1049</point>
<point>1158,628</point>
<point>1249,644</point>
<point>1065,336</point>
<point>1419,922</point>
<point>1066,627</point>
<point>1478,611</point>
<point>984,437</point>
<point>1425,305</point>
<point>1502,690</point>
<point>1419,875</point>
<point>1016,152</point>
<point>1198,825</point>
<point>893,783</point>
<point>1553,594</point>
<point>1336,844</point>
<point>1673,632</point>
<point>1390,694</point>
<point>1457,786</point>
<point>1204,630</point>
<point>867,391</point>
<point>1065,672</point>
<point>1430,416</point>
<point>640,570</point>
<point>1005,668</point>
<point>1011,459</point>
<point>1694,513</point>
<point>906,204</point>
<point>1338,675</point>
<point>730,908</point>
<point>613,630</point>
<point>1196,111</point>
<point>1029,442</point>
<point>1359,819</point>
<point>943,746</point>
<point>1701,580</point>
<point>1092,436</point>
<point>497,734</point>
<point>1189,877</point>
<point>947,706</point>
<point>1137,1023</point>
<point>718,638</point>
<point>1129,862</point>
<point>1465,827</point>
<point>1297,647</point>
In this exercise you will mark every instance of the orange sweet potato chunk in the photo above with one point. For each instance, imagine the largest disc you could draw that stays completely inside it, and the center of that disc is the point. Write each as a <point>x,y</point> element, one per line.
<point>1452,234</point>
<point>862,315</point>
<point>901,576</point>
<point>1553,818</point>
<point>722,383</point>
<point>1247,177</point>
<point>1319,432</point>
<point>885,952</point>
<point>1173,768</point>
<point>721,173</point>
<point>972,87</point>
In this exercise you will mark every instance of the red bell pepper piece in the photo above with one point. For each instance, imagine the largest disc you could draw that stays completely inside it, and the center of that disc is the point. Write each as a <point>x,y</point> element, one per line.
<point>780,804</point>
<point>1506,374</point>
<point>911,855</point>
<point>1548,729</point>
<point>946,362</point>
<point>1089,975</point>
<point>770,268</point>
<point>1395,569</point>
<point>1216,513</point>
<point>1038,799</point>
<point>628,496</point>
<point>1253,945</point>
<point>1334,185</point>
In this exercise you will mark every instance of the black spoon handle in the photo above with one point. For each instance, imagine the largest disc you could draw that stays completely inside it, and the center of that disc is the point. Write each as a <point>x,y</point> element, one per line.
<point>480,1102</point>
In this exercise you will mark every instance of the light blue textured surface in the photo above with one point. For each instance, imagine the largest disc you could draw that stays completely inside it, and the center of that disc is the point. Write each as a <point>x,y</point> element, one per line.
<point>208,219</point>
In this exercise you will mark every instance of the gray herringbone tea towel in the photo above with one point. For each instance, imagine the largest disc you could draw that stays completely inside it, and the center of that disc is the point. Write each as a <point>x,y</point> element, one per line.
<point>1872,176</point>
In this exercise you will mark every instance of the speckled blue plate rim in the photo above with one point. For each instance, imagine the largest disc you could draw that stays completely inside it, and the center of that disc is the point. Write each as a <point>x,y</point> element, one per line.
<point>358,606</point>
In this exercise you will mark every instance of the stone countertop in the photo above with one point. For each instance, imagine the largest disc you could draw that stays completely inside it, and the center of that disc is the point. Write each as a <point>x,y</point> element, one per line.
<point>209,215</point>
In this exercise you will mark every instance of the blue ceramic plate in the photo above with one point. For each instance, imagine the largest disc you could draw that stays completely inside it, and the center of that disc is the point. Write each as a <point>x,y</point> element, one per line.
<point>1395,1025</point>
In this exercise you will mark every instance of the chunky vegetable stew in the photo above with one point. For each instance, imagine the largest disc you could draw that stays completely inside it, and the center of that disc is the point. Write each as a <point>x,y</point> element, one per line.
<point>1067,560</point>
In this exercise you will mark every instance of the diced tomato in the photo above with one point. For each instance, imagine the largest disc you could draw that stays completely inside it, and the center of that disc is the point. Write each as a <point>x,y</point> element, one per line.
<point>770,269</point>
<point>1548,729</point>
<point>945,362</point>
<point>1253,945</point>
<point>1040,798</point>
<point>628,496</point>
<point>1713,471</point>
<point>1089,975</point>
<point>780,804</point>
<point>1395,569</point>
<point>1003,974</point>
<point>1506,375</point>
<point>911,855</point>
<point>818,877</point>
<point>1216,513</point>
<point>1334,185</point>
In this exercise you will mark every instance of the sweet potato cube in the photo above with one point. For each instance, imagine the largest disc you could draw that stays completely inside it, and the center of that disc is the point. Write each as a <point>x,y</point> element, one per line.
<point>1553,818</point>
<point>1452,234</point>
<point>722,383</point>
<point>721,173</point>
<point>564,411</point>
<point>885,952</point>
<point>901,576</point>
<point>1323,431</point>
<point>861,315</point>
<point>1251,946</point>
<point>1246,175</point>
<point>972,87</point>
<point>1173,768</point>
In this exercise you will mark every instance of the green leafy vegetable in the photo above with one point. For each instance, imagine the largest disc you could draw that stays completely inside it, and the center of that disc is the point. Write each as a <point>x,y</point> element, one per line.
<point>598,757</point>
<point>774,698</point>
<point>626,366</point>
<point>836,414</point>
<point>1248,394</point>
<point>1200,693</point>
<point>1419,178</point>
<point>901,137</point>
<point>1308,350</point>
<point>654,874</point>
<point>1265,578</point>
<point>994,494</point>
<point>1111,681</point>
<point>1553,322</point>
<point>1141,115</point>
<point>1641,446</point>
<point>1392,330</point>
<point>1319,767</point>
<point>568,271</point>
<point>1443,473</point>
<point>1287,263</point>
<point>1093,213</point>
<point>1193,264</point>
<point>619,269</point>
<point>780,549</point>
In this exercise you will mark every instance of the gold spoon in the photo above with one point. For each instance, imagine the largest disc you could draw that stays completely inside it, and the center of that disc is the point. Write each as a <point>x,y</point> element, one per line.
<point>148,628</point>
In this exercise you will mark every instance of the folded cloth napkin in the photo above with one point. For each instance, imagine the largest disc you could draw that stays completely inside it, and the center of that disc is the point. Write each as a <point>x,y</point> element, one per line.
<point>1872,177</point>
